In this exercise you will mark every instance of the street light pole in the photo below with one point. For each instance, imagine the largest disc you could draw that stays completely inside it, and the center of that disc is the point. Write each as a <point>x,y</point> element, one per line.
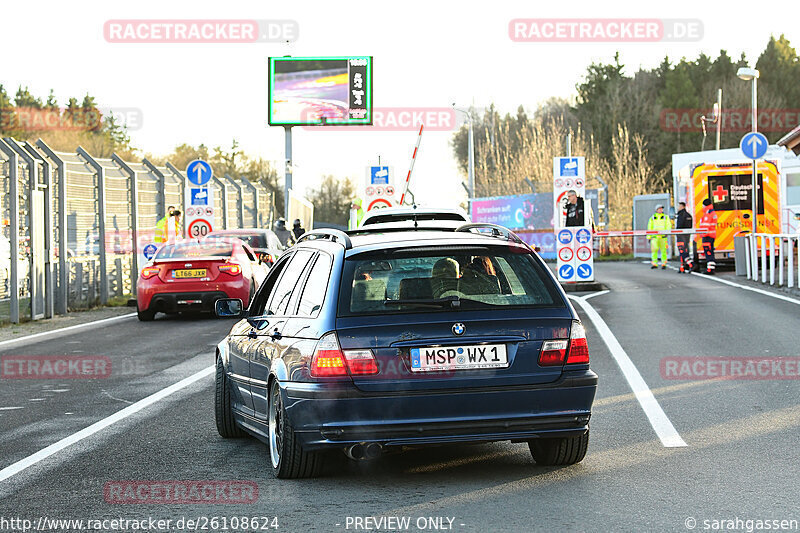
<point>470,154</point>
<point>751,74</point>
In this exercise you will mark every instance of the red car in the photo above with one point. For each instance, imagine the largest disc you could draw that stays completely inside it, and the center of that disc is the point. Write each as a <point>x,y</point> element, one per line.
<point>193,275</point>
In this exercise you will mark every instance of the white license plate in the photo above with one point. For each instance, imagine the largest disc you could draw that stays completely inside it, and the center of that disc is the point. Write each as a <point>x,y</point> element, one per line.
<point>440,358</point>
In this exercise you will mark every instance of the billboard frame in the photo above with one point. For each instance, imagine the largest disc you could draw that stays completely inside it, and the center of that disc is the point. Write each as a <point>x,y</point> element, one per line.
<point>367,121</point>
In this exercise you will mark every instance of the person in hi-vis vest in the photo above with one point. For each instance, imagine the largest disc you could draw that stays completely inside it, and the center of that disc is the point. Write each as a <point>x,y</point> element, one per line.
<point>658,243</point>
<point>168,229</point>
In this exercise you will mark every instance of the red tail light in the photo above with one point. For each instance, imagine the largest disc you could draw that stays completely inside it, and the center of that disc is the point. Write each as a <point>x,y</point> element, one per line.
<point>578,347</point>
<point>149,272</point>
<point>361,362</point>
<point>553,353</point>
<point>231,268</point>
<point>328,359</point>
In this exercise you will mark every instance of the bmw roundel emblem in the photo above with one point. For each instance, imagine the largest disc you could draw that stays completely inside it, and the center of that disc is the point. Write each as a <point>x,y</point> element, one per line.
<point>459,328</point>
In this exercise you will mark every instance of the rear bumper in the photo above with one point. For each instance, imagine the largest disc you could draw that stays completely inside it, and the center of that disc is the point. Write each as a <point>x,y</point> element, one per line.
<point>185,301</point>
<point>325,417</point>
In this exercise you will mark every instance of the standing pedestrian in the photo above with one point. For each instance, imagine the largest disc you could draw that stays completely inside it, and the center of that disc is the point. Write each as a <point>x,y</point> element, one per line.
<point>708,231</point>
<point>168,229</point>
<point>658,243</point>
<point>284,235</point>
<point>574,210</point>
<point>297,229</point>
<point>684,221</point>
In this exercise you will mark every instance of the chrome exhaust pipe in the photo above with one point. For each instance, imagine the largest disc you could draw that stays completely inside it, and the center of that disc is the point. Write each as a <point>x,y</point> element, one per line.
<point>355,452</point>
<point>373,450</point>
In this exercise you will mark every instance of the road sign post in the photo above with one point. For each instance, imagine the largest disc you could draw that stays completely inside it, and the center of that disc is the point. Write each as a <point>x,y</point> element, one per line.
<point>754,146</point>
<point>379,190</point>
<point>198,205</point>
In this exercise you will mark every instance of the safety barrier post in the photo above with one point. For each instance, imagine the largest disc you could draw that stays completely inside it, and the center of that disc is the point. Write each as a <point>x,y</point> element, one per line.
<point>763,259</point>
<point>48,228</point>
<point>241,200</point>
<point>224,188</point>
<point>252,187</point>
<point>161,189</point>
<point>790,269</point>
<point>771,240</point>
<point>63,270</point>
<point>747,258</point>
<point>780,260</point>
<point>101,228</point>
<point>134,219</point>
<point>13,208</point>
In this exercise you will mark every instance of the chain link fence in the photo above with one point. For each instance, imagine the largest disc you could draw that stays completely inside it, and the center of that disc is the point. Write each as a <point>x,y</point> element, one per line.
<point>72,226</point>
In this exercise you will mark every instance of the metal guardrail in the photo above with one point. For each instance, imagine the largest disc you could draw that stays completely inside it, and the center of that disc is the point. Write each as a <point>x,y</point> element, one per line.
<point>72,224</point>
<point>778,254</point>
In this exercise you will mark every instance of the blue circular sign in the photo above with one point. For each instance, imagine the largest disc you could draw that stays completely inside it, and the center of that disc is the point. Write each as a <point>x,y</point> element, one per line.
<point>583,236</point>
<point>754,145</point>
<point>566,272</point>
<point>565,236</point>
<point>149,251</point>
<point>585,271</point>
<point>198,172</point>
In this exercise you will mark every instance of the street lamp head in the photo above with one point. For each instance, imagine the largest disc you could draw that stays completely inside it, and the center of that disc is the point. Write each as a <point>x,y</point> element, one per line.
<point>747,73</point>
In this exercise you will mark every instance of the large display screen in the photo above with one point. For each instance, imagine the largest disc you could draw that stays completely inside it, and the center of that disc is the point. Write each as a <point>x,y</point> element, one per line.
<point>318,91</point>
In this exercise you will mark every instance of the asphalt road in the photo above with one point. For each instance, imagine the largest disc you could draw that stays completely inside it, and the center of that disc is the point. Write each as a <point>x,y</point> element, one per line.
<point>741,435</point>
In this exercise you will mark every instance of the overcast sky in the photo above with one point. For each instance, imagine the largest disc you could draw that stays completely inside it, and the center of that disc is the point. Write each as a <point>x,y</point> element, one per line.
<point>426,54</point>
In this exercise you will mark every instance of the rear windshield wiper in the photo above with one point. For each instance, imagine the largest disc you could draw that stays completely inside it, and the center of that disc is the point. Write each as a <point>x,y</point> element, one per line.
<point>435,303</point>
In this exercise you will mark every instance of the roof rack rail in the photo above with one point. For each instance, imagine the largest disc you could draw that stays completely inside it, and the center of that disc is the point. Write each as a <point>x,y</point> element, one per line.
<point>333,235</point>
<point>497,231</point>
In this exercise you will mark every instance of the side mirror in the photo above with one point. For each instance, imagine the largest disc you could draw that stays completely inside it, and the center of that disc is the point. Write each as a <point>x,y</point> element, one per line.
<point>229,308</point>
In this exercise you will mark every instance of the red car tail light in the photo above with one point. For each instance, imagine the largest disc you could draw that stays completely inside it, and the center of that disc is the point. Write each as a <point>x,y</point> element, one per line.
<point>149,272</point>
<point>231,268</point>
<point>578,347</point>
<point>328,359</point>
<point>553,353</point>
<point>361,362</point>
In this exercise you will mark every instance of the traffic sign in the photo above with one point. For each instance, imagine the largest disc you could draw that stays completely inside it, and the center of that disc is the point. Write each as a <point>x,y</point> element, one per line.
<point>584,253</point>
<point>754,145</point>
<point>199,196</point>
<point>149,251</point>
<point>568,166</point>
<point>379,175</point>
<point>565,254</point>
<point>583,236</point>
<point>585,271</point>
<point>565,236</point>
<point>199,228</point>
<point>379,203</point>
<point>566,272</point>
<point>198,172</point>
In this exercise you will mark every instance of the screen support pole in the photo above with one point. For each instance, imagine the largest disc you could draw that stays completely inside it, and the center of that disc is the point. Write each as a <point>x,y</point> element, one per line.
<point>287,184</point>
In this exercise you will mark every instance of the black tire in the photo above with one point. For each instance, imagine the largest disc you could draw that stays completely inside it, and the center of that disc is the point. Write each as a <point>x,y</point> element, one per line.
<point>146,315</point>
<point>226,425</point>
<point>287,457</point>
<point>560,451</point>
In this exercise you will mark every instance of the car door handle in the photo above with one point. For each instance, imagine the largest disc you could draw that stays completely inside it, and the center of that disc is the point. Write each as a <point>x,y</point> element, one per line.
<point>276,335</point>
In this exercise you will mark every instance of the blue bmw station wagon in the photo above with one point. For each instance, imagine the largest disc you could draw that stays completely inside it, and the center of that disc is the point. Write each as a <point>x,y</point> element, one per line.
<point>380,339</point>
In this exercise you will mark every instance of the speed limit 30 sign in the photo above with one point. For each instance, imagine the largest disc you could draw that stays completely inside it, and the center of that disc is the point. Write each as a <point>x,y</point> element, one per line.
<point>199,228</point>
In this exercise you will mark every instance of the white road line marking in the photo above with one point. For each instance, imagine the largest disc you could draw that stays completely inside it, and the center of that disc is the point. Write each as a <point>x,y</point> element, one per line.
<point>745,287</point>
<point>658,419</point>
<point>56,447</point>
<point>68,328</point>
<point>9,408</point>
<point>600,293</point>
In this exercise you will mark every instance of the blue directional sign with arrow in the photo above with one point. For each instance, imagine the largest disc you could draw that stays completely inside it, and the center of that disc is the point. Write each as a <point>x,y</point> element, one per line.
<point>566,272</point>
<point>754,145</point>
<point>198,172</point>
<point>585,271</point>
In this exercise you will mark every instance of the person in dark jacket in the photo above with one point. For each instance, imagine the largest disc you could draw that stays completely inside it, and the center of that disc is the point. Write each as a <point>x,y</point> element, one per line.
<point>284,235</point>
<point>297,229</point>
<point>574,210</point>
<point>684,221</point>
